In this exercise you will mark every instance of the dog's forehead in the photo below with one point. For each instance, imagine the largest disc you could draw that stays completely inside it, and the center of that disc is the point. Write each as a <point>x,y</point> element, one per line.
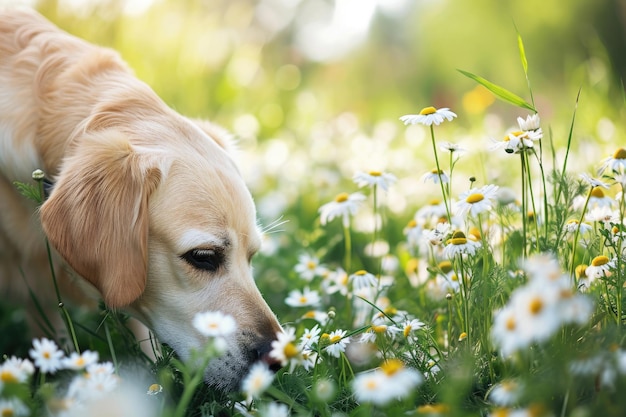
<point>204,196</point>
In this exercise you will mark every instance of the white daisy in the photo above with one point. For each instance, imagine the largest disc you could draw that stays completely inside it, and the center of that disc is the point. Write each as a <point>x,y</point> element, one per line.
<point>336,281</point>
<point>258,379</point>
<point>531,123</point>
<point>214,324</point>
<point>13,407</point>
<point>154,389</point>
<point>436,176</point>
<point>428,116</point>
<point>605,215</point>
<point>337,342</point>
<point>451,147</point>
<point>413,232</point>
<point>304,298</point>
<point>615,162</point>
<point>517,141</point>
<point>15,370</point>
<point>411,326</point>
<point>390,382</point>
<point>283,348</point>
<point>593,181</point>
<point>344,205</point>
<point>77,361</point>
<point>274,409</point>
<point>310,337</point>
<point>46,355</point>
<point>476,200</point>
<point>506,393</point>
<point>437,235</point>
<point>374,178</point>
<point>362,279</point>
<point>459,244</point>
<point>573,224</point>
<point>600,267</point>
<point>309,267</point>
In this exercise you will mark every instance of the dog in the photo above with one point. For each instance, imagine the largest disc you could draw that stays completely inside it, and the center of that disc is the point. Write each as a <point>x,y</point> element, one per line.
<point>146,206</point>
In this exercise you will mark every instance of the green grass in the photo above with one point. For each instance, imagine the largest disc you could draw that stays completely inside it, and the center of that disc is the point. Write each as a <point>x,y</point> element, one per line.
<point>578,367</point>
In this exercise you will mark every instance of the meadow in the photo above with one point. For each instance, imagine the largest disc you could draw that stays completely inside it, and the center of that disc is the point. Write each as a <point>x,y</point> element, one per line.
<point>454,252</point>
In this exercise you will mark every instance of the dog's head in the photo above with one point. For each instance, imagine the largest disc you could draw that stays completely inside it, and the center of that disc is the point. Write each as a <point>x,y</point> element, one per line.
<point>165,228</point>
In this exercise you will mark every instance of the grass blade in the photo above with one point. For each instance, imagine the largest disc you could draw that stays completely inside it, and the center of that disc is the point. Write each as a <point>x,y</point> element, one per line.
<point>500,92</point>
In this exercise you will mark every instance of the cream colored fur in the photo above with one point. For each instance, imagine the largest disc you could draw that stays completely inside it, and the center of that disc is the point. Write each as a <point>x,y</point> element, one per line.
<point>136,186</point>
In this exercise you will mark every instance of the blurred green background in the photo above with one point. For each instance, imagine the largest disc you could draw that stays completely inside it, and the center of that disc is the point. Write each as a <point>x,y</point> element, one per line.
<point>313,89</point>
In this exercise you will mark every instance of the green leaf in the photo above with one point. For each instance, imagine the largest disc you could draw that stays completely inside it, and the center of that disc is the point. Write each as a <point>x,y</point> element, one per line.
<point>522,54</point>
<point>500,92</point>
<point>29,191</point>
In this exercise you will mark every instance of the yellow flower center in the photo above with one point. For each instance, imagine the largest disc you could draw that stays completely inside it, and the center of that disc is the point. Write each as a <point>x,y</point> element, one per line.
<point>597,192</point>
<point>360,272</point>
<point>445,266</point>
<point>458,238</point>
<point>46,355</point>
<point>371,385</point>
<point>155,388</point>
<point>390,311</point>
<point>620,154</point>
<point>303,299</point>
<point>411,224</point>
<point>600,260</point>
<point>8,377</point>
<point>341,198</point>
<point>392,366</point>
<point>311,265</point>
<point>454,277</point>
<point>462,336</point>
<point>309,314</point>
<point>379,329</point>
<point>436,171</point>
<point>536,305</point>
<point>7,412</point>
<point>433,409</point>
<point>428,110</point>
<point>433,202</point>
<point>290,351</point>
<point>474,198</point>
<point>581,270</point>
<point>335,339</point>
<point>501,412</point>
<point>407,330</point>
<point>510,324</point>
<point>518,133</point>
<point>375,173</point>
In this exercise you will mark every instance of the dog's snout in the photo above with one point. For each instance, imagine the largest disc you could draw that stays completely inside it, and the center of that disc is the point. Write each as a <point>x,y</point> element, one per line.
<point>262,353</point>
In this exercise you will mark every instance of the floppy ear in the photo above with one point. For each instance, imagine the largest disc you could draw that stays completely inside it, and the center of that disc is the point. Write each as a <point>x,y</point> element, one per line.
<point>221,136</point>
<point>97,214</point>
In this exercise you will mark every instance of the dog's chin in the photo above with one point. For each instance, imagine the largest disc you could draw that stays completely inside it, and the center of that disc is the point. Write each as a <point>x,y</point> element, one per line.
<point>226,372</point>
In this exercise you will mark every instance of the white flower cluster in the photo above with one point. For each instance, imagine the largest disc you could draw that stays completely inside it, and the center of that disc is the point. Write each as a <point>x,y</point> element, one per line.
<point>537,310</point>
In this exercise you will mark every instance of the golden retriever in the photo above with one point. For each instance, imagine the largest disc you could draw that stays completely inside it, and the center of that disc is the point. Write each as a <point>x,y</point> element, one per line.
<point>147,206</point>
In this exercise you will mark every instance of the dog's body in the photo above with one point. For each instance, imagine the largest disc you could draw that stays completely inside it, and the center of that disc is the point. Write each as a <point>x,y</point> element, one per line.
<point>147,205</point>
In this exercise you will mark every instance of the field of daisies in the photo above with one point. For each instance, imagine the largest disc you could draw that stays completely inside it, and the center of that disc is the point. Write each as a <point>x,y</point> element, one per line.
<point>492,299</point>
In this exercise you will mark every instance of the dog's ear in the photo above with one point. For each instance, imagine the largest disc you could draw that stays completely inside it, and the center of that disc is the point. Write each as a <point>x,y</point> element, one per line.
<point>97,214</point>
<point>221,136</point>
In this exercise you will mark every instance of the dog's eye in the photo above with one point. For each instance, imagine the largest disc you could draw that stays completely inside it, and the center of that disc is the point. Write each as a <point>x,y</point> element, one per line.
<point>206,259</point>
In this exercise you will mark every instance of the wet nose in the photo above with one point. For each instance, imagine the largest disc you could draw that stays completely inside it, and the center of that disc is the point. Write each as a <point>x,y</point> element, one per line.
<point>262,353</point>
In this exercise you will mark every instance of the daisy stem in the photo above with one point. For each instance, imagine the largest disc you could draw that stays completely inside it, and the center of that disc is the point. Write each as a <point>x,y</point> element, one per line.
<point>443,190</point>
<point>576,233</point>
<point>524,253</point>
<point>532,202</point>
<point>465,295</point>
<point>348,247</point>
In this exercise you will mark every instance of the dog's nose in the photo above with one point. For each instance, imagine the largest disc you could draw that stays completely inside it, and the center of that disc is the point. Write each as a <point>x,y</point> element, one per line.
<point>262,353</point>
